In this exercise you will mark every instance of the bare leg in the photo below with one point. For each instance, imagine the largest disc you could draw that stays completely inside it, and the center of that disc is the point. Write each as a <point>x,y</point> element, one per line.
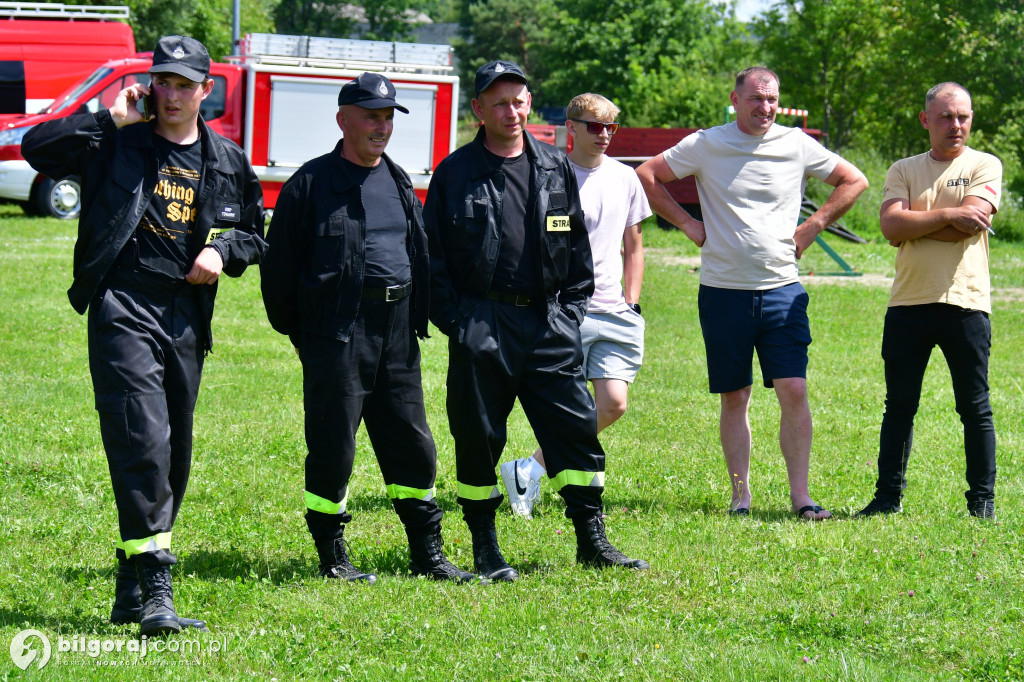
<point>610,397</point>
<point>734,428</point>
<point>795,431</point>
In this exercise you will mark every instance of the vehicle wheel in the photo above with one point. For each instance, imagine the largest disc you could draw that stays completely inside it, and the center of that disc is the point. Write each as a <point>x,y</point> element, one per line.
<point>60,199</point>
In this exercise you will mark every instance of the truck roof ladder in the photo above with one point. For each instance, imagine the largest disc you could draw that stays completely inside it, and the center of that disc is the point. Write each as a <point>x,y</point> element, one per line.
<point>342,53</point>
<point>53,10</point>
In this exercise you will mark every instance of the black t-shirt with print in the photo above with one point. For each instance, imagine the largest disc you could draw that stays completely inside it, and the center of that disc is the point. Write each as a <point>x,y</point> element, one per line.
<point>169,219</point>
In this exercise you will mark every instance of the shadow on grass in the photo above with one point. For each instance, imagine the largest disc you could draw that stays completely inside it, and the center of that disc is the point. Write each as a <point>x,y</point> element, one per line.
<point>31,617</point>
<point>372,502</point>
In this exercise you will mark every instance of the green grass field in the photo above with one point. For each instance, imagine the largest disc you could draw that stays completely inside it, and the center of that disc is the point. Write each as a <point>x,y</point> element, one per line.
<point>930,594</point>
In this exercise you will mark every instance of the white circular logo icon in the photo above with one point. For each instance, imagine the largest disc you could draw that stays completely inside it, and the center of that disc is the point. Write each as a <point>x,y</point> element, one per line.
<point>23,652</point>
<point>178,53</point>
<point>382,89</point>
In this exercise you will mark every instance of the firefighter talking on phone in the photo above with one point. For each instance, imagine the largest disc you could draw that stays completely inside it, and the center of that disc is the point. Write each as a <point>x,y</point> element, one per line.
<point>168,206</point>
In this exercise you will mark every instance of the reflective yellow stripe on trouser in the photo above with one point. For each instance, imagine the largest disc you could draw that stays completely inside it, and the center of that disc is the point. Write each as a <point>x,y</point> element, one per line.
<point>325,506</point>
<point>401,492</point>
<point>586,479</point>
<point>478,492</point>
<point>150,544</point>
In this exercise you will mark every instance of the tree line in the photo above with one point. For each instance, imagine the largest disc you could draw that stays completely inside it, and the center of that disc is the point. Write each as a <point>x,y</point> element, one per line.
<point>861,67</point>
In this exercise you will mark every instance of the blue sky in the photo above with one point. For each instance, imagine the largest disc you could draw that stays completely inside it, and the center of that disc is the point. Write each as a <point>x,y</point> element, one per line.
<point>746,9</point>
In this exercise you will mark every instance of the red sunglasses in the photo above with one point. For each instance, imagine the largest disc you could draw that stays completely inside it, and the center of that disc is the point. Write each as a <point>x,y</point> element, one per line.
<point>595,128</point>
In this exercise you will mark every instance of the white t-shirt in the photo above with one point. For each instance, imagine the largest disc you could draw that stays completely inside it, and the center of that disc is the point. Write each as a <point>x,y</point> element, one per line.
<point>932,271</point>
<point>750,190</point>
<point>612,199</point>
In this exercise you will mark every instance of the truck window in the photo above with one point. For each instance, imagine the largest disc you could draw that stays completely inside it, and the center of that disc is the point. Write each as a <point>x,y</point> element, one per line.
<point>213,106</point>
<point>65,100</point>
<point>104,99</point>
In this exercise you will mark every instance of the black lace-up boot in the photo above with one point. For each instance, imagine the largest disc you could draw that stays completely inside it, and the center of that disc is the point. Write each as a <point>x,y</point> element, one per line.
<point>593,548</point>
<point>426,557</point>
<point>486,554</point>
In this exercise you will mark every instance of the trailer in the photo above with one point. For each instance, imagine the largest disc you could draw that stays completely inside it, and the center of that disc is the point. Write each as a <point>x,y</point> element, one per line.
<point>633,146</point>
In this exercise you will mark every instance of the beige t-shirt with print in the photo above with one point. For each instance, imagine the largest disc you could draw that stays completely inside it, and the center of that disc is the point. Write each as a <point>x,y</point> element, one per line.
<point>932,271</point>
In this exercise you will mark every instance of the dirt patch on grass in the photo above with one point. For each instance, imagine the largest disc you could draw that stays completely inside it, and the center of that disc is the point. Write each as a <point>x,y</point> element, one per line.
<point>865,279</point>
<point>665,257</point>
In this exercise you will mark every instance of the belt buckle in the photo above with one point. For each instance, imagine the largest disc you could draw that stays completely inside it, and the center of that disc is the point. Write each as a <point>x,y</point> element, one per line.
<point>521,300</point>
<point>393,293</point>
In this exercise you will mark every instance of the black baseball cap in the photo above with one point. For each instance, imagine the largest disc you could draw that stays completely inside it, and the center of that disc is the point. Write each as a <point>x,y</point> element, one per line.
<point>181,55</point>
<point>492,71</point>
<point>370,91</point>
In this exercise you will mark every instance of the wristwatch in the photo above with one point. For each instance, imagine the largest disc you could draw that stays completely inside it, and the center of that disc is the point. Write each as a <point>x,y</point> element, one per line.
<point>635,307</point>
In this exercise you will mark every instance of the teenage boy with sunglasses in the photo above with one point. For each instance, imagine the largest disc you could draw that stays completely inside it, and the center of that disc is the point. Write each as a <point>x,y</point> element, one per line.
<point>614,205</point>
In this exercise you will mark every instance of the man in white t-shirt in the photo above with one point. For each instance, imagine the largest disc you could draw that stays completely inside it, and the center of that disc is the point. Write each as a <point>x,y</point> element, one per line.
<point>750,179</point>
<point>937,208</point>
<point>612,332</point>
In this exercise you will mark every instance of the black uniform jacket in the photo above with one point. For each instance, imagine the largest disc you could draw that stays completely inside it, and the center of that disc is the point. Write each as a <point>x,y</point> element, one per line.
<point>118,172</point>
<point>312,276</point>
<point>463,221</point>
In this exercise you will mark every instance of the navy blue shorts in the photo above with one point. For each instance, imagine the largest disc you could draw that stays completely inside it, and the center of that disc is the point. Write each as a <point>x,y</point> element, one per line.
<point>735,322</point>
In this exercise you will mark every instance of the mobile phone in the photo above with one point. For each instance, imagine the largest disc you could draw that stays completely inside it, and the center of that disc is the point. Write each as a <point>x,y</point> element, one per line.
<point>145,106</point>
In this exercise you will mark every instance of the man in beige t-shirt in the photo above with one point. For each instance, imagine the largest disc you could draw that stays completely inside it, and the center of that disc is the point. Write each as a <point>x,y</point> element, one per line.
<point>937,209</point>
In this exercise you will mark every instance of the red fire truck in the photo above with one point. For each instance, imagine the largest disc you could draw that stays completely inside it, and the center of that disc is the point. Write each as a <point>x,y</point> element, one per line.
<point>45,48</point>
<point>278,100</point>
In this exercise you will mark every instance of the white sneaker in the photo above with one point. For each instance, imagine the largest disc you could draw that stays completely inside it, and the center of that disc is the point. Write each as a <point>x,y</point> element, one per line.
<point>522,490</point>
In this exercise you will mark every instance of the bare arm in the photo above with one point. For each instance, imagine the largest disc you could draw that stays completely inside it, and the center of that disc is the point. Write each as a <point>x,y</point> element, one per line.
<point>900,223</point>
<point>633,263</point>
<point>849,184</point>
<point>653,174</point>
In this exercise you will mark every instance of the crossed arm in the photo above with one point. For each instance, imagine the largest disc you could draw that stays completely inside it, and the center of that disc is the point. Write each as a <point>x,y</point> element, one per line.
<point>900,223</point>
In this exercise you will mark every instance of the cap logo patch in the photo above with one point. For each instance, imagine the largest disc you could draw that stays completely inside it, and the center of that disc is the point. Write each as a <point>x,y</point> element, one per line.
<point>499,68</point>
<point>178,53</point>
<point>382,89</point>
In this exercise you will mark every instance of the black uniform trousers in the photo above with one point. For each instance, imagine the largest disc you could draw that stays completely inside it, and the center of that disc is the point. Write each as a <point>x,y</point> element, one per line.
<point>502,352</point>
<point>374,377</point>
<point>146,359</point>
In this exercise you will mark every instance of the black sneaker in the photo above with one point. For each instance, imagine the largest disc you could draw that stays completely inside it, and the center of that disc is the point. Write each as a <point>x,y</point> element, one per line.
<point>983,509</point>
<point>880,505</point>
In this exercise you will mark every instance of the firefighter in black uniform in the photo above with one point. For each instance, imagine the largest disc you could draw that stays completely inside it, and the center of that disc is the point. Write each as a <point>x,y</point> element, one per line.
<point>346,277</point>
<point>168,206</point>
<point>512,276</point>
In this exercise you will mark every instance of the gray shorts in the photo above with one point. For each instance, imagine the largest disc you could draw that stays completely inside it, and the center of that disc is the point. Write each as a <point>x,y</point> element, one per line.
<point>613,345</point>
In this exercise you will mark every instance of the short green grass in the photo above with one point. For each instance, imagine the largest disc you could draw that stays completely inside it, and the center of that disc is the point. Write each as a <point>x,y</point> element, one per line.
<point>765,598</point>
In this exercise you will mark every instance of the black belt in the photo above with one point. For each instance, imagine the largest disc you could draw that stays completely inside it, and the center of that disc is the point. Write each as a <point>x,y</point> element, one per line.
<point>511,299</point>
<point>149,283</point>
<point>395,292</point>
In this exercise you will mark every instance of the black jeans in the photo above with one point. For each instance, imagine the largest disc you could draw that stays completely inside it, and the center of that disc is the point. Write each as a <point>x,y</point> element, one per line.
<point>965,339</point>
